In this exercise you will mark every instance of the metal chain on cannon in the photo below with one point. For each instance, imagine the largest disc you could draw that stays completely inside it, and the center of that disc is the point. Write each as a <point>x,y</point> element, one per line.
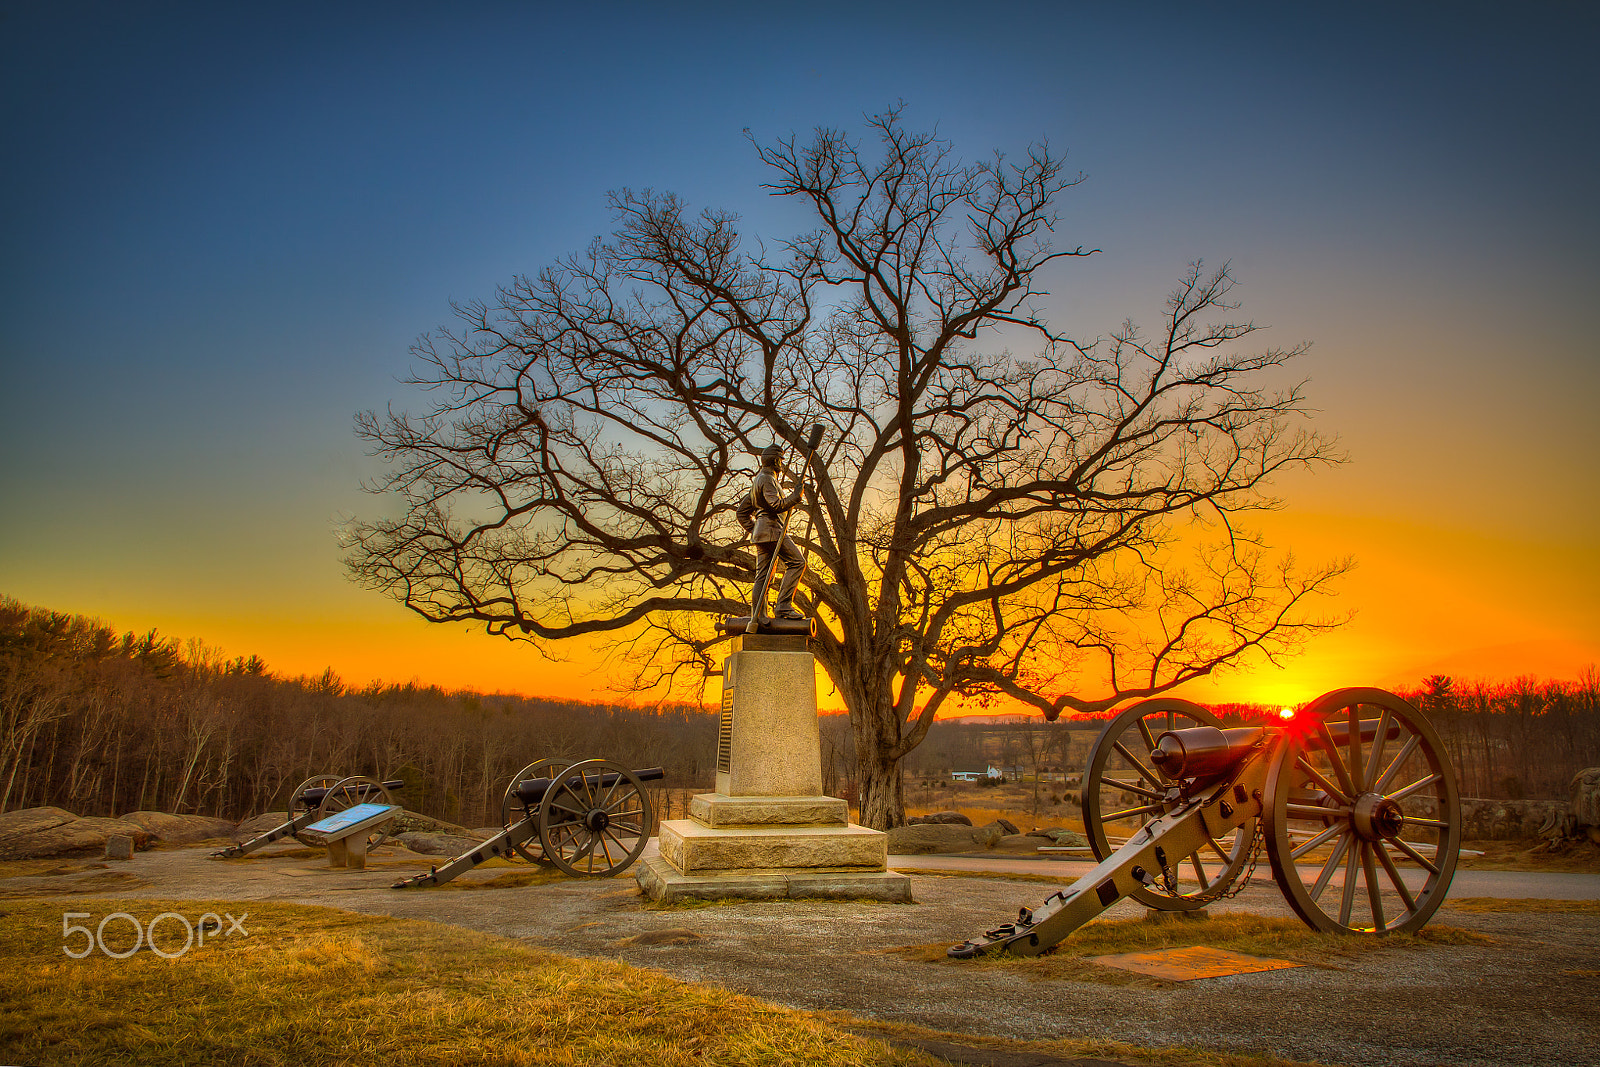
<point>1250,868</point>
<point>1169,877</point>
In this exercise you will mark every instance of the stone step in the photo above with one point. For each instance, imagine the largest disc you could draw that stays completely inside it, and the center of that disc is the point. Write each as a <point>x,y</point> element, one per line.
<point>691,847</point>
<point>658,880</point>
<point>718,811</point>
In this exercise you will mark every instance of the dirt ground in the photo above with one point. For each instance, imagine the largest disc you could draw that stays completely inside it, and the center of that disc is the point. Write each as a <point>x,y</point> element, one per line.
<point>1527,998</point>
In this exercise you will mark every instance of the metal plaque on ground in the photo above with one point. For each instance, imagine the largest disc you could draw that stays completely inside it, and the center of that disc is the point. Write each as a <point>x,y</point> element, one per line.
<point>1187,964</point>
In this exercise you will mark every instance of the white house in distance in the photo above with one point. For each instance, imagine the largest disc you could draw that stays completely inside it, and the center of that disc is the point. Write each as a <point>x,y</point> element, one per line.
<point>973,776</point>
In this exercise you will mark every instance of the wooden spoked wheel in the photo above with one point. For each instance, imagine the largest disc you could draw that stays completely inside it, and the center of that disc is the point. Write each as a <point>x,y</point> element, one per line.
<point>512,808</point>
<point>1122,792</point>
<point>316,781</point>
<point>1359,790</point>
<point>357,789</point>
<point>595,820</point>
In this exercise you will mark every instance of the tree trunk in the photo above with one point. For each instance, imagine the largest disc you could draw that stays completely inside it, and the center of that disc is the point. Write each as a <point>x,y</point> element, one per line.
<point>876,728</point>
<point>883,802</point>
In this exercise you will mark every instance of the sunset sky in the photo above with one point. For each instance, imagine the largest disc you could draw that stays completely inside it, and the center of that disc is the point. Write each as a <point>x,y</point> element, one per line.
<point>224,226</point>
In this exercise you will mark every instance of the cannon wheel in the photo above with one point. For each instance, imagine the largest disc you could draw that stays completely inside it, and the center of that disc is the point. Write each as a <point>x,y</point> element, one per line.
<point>1371,806</point>
<point>513,811</point>
<point>316,781</point>
<point>1117,768</point>
<point>594,830</point>
<point>357,789</point>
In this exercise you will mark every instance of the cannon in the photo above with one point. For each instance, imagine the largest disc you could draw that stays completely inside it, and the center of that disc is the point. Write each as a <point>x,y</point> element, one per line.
<point>590,818</point>
<point>315,799</point>
<point>1341,795</point>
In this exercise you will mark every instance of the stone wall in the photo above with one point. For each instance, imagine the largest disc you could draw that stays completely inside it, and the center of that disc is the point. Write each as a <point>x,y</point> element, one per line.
<point>1558,820</point>
<point>1505,820</point>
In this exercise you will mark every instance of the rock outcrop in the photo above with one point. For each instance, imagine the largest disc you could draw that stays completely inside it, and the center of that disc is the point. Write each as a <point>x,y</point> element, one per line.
<point>1579,819</point>
<point>1585,802</point>
<point>939,818</point>
<point>36,833</point>
<point>256,825</point>
<point>180,829</point>
<point>926,838</point>
<point>432,844</point>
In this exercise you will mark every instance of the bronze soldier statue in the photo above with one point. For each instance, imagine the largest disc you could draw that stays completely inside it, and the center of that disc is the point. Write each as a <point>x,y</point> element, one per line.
<point>764,515</point>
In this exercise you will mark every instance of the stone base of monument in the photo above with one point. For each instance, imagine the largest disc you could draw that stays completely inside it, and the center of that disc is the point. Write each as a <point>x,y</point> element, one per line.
<point>768,832</point>
<point>766,848</point>
<point>659,880</point>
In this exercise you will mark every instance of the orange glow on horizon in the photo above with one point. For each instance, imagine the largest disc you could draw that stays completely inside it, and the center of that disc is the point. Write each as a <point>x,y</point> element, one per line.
<point>1427,600</point>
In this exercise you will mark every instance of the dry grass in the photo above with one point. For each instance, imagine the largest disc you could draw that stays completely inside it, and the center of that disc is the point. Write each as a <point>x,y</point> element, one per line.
<point>1254,935</point>
<point>515,879</point>
<point>94,882</point>
<point>1066,1048</point>
<point>317,985</point>
<point>55,866</point>
<point>1583,858</point>
<point>1586,907</point>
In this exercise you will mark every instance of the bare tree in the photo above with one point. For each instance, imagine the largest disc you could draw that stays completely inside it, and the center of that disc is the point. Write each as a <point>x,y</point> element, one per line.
<point>978,522</point>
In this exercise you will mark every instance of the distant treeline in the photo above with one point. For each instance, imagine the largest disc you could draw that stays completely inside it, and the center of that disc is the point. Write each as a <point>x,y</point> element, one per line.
<point>103,723</point>
<point>1522,738</point>
<point>1508,740</point>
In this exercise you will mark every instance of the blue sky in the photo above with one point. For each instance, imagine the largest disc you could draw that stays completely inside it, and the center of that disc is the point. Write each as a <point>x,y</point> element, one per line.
<point>223,227</point>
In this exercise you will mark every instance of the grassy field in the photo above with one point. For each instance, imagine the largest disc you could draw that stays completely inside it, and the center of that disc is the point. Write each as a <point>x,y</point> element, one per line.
<point>309,986</point>
<point>1253,935</point>
<point>983,804</point>
<point>1534,904</point>
<point>317,985</point>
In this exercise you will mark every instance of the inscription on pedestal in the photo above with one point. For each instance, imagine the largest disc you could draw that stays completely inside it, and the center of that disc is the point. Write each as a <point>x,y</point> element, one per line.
<point>725,729</point>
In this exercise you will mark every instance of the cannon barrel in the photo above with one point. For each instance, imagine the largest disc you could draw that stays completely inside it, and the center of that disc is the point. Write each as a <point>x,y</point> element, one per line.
<point>532,790</point>
<point>1201,751</point>
<point>313,797</point>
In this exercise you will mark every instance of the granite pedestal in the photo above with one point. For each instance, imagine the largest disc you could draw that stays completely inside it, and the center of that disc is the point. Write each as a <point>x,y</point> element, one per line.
<point>768,832</point>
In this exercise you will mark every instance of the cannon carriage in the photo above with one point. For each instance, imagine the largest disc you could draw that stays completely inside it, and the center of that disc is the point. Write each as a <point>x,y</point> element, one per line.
<point>590,818</point>
<point>1352,798</point>
<point>318,798</point>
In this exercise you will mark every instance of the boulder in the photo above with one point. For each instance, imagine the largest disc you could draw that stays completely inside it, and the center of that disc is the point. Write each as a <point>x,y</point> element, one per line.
<point>1058,836</point>
<point>34,833</point>
<point>1585,794</point>
<point>432,844</point>
<point>179,829</point>
<point>1005,826</point>
<point>1018,843</point>
<point>260,824</point>
<point>926,838</point>
<point>119,847</point>
<point>1579,818</point>
<point>410,821</point>
<point>939,818</point>
<point>31,820</point>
